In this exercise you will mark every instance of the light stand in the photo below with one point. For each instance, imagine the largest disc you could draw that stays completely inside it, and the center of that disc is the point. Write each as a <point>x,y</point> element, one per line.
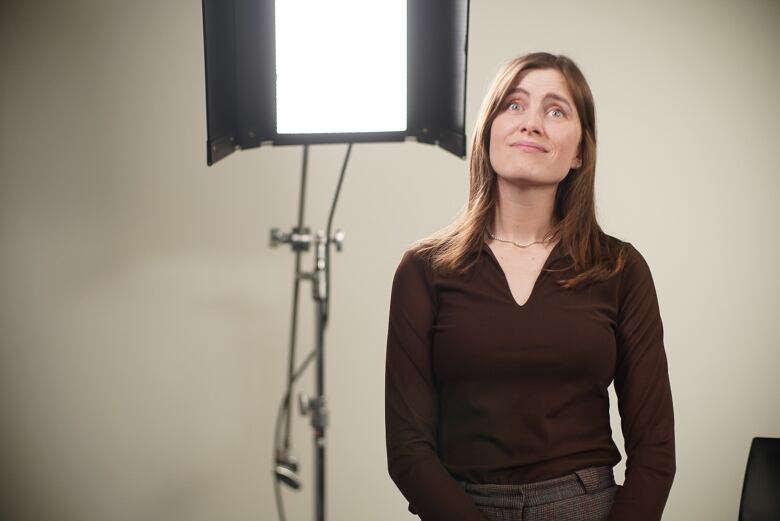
<point>242,109</point>
<point>300,239</point>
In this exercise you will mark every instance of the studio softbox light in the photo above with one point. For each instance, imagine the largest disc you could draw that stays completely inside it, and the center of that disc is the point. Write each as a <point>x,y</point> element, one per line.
<point>290,72</point>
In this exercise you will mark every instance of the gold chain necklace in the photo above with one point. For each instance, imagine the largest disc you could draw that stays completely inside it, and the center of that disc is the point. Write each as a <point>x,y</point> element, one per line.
<point>517,243</point>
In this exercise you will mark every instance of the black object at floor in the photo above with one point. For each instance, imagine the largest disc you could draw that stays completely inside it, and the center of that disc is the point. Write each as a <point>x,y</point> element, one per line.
<point>761,487</point>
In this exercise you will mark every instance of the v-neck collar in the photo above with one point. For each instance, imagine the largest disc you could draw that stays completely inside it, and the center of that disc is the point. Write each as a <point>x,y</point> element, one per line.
<point>555,254</point>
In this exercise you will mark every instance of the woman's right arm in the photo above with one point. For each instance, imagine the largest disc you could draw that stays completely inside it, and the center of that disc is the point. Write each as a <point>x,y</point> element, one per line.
<point>411,403</point>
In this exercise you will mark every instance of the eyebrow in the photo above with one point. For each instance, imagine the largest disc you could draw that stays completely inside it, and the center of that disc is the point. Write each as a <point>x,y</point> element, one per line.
<point>551,95</point>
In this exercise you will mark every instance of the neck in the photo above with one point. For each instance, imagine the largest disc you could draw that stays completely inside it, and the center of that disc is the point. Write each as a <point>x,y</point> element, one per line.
<point>523,214</point>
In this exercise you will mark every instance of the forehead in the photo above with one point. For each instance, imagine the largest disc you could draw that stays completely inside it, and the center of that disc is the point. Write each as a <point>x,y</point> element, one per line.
<point>539,82</point>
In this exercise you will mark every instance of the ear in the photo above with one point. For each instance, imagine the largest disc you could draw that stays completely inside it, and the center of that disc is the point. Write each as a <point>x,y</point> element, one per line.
<point>577,162</point>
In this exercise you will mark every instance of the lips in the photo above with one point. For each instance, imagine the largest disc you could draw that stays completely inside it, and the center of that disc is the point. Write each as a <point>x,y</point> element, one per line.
<point>529,145</point>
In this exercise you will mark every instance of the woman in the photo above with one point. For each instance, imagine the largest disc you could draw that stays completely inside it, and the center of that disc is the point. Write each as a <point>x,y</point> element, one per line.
<point>507,327</point>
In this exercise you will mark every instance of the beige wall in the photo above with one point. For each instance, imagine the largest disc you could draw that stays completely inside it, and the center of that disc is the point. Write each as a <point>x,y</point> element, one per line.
<point>144,320</point>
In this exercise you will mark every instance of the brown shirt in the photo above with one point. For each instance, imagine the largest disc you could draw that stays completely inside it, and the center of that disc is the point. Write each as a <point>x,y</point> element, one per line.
<point>481,389</point>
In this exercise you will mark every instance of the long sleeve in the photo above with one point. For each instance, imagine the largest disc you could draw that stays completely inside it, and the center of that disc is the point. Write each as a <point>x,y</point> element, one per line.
<point>644,398</point>
<point>411,403</point>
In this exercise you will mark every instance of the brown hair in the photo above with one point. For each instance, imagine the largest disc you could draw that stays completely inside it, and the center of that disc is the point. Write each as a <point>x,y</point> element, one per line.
<point>454,249</point>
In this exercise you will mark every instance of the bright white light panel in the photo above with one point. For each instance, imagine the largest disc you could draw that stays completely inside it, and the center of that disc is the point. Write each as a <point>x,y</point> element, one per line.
<point>340,66</point>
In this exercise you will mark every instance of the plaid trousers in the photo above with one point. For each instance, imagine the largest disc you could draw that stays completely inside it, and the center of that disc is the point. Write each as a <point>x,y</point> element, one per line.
<point>584,495</point>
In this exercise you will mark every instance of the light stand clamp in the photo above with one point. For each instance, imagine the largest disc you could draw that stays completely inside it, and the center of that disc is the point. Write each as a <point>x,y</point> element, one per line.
<point>300,239</point>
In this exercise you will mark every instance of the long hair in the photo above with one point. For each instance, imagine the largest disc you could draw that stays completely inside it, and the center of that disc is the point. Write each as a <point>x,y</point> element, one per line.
<point>454,250</point>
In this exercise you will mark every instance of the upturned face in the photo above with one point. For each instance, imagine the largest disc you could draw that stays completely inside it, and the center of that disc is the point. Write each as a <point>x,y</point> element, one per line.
<point>535,137</point>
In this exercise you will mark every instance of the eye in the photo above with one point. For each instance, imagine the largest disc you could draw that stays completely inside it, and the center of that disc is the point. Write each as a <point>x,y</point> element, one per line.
<point>558,111</point>
<point>513,105</point>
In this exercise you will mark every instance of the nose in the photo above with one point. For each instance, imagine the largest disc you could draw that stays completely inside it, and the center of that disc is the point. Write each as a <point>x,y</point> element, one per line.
<point>530,123</point>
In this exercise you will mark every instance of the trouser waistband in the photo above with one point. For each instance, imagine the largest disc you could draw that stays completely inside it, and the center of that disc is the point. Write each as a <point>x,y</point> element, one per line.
<point>577,483</point>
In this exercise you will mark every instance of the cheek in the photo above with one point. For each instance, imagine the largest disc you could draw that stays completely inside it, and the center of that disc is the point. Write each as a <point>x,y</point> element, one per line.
<point>498,132</point>
<point>493,133</point>
<point>570,140</point>
<point>494,140</point>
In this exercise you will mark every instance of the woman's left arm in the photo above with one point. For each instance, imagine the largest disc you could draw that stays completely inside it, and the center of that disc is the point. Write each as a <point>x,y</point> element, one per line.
<point>644,397</point>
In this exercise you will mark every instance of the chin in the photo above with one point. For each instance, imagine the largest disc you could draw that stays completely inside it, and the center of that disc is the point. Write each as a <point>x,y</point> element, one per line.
<point>524,177</point>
